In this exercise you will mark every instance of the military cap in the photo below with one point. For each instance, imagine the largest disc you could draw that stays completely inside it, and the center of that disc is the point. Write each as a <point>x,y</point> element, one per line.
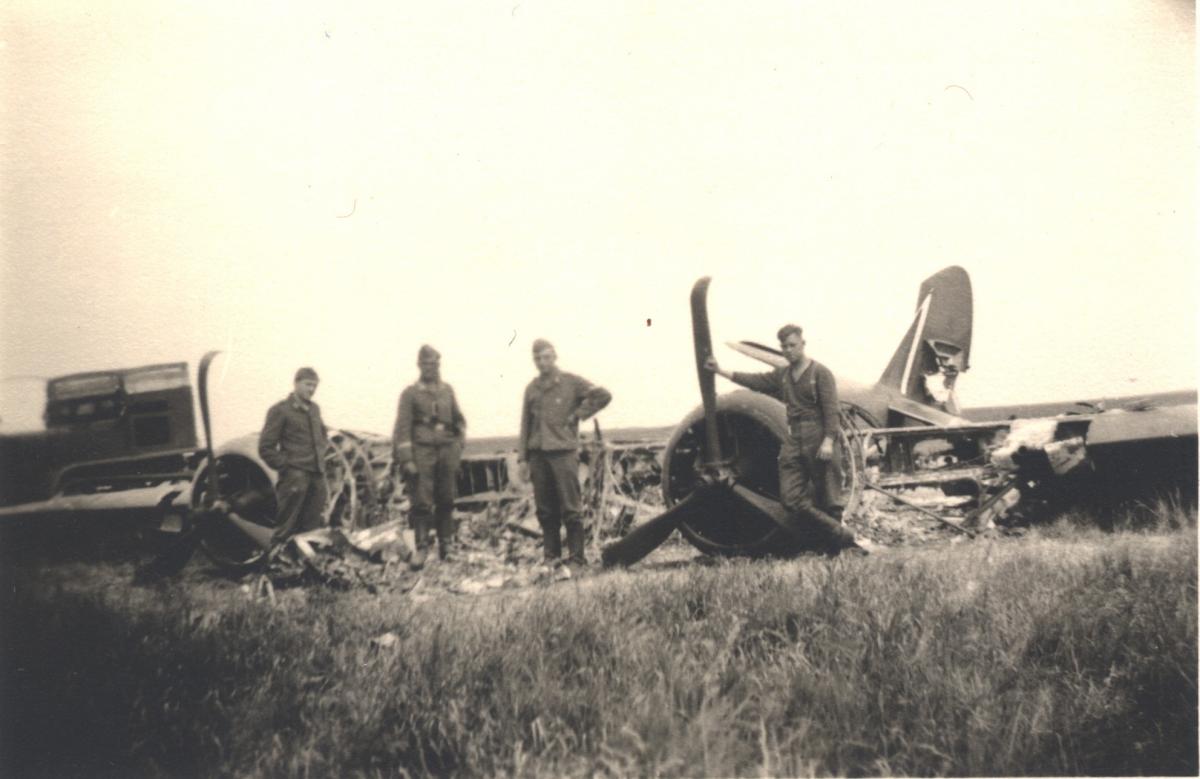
<point>427,352</point>
<point>541,345</point>
<point>306,373</point>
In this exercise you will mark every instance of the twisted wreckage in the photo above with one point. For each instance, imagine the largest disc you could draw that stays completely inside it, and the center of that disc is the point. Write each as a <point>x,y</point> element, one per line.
<point>124,442</point>
<point>915,465</point>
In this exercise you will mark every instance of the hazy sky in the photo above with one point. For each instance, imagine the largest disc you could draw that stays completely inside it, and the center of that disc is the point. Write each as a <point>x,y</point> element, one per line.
<point>302,183</point>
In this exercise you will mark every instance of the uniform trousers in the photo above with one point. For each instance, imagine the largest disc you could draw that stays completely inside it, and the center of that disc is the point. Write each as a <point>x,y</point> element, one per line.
<point>807,484</point>
<point>433,490</point>
<point>555,477</point>
<point>302,496</point>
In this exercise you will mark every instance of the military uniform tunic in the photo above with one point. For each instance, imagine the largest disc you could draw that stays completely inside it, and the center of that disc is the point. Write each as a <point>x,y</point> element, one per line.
<point>551,410</point>
<point>293,443</point>
<point>429,432</point>
<point>806,483</point>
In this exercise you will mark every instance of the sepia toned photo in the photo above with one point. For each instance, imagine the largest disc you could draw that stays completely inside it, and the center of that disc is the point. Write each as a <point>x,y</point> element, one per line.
<point>568,389</point>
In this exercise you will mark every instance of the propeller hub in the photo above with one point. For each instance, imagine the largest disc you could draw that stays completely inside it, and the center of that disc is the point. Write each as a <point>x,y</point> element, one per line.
<point>720,474</point>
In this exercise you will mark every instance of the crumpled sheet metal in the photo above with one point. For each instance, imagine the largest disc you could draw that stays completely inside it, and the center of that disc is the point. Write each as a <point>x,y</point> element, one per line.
<point>1023,434</point>
<point>498,547</point>
<point>1039,435</point>
<point>372,558</point>
<point>883,521</point>
<point>1066,455</point>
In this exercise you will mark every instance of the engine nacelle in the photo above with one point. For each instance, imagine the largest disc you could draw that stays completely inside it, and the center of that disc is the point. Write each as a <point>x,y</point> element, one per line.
<point>247,484</point>
<point>752,427</point>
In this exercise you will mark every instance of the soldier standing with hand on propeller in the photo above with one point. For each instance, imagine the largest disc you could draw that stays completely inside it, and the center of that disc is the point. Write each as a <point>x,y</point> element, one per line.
<point>427,445</point>
<point>554,404</point>
<point>806,465</point>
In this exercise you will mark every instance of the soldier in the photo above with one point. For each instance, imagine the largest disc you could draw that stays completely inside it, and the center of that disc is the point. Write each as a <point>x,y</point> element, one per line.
<point>427,444</point>
<point>807,474</point>
<point>293,443</point>
<point>554,404</point>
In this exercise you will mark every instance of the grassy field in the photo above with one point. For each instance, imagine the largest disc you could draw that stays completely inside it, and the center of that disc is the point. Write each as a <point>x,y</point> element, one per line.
<point>1068,651</point>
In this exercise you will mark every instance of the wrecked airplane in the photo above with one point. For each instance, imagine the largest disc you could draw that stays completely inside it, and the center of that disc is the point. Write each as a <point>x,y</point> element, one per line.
<point>905,440</point>
<point>126,441</point>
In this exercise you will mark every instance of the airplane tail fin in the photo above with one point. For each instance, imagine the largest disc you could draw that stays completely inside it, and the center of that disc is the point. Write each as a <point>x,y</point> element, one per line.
<point>937,346</point>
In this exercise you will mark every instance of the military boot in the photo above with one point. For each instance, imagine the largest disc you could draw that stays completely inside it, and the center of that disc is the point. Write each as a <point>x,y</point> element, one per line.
<point>445,532</point>
<point>551,544</point>
<point>421,539</point>
<point>575,543</point>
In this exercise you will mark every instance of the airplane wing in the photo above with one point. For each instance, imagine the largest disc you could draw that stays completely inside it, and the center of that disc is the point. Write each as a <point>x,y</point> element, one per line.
<point>1147,441</point>
<point>1155,446</point>
<point>144,498</point>
<point>1163,419</point>
<point>760,352</point>
<point>1081,407</point>
<point>1151,424</point>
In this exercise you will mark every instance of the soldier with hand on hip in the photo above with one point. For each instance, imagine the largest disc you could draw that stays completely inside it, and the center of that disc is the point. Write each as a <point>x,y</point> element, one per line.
<point>554,404</point>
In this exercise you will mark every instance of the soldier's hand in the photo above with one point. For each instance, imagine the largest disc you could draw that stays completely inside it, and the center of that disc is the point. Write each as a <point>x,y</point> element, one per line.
<point>711,364</point>
<point>826,450</point>
<point>410,468</point>
<point>523,471</point>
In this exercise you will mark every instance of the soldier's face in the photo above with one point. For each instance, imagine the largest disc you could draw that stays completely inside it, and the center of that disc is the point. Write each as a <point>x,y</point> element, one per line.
<point>792,348</point>
<point>306,388</point>
<point>430,368</point>
<point>544,360</point>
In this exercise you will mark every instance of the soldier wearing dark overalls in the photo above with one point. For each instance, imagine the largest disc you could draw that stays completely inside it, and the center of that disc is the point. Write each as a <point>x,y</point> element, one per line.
<point>293,443</point>
<point>809,477</point>
<point>552,407</point>
<point>427,446</point>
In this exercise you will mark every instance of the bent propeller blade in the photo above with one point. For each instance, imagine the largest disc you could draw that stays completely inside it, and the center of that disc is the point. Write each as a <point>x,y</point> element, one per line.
<point>259,534</point>
<point>647,537</point>
<point>702,339</point>
<point>202,380</point>
<point>774,510</point>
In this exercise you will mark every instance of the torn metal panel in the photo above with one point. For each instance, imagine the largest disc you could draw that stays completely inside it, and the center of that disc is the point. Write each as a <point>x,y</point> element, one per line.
<point>370,558</point>
<point>976,467</point>
<point>931,477</point>
<point>1002,463</point>
<point>1023,435</point>
<point>1002,501</point>
<point>1066,455</point>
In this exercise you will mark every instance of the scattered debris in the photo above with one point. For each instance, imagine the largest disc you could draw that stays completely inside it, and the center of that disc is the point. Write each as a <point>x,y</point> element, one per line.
<point>913,486</point>
<point>966,478</point>
<point>918,507</point>
<point>386,640</point>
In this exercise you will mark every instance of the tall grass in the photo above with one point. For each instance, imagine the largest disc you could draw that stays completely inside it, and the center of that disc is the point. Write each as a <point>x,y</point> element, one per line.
<point>1064,653</point>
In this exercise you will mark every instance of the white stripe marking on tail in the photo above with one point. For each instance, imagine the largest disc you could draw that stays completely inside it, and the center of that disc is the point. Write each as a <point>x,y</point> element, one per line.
<point>922,313</point>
